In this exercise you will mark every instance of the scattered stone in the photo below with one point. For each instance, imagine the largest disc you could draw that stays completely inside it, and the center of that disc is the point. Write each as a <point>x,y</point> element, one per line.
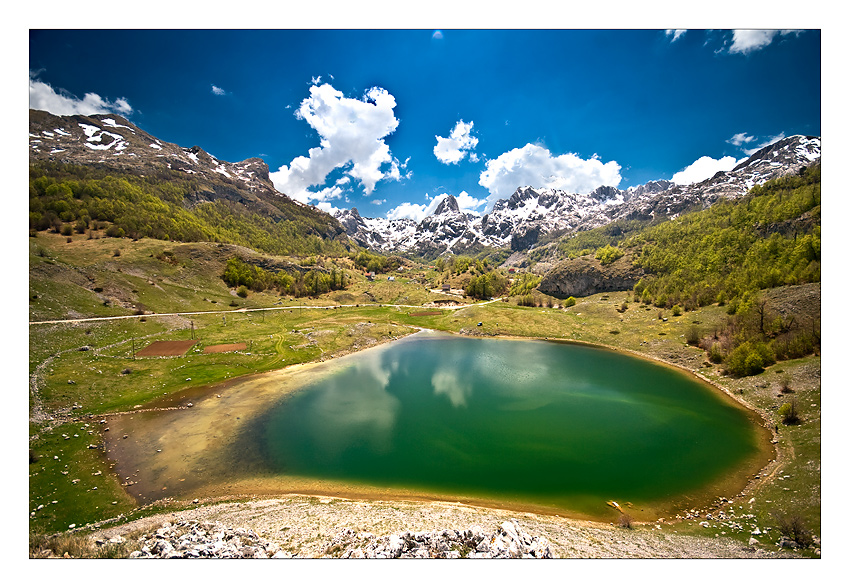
<point>786,543</point>
<point>193,540</point>
<point>508,541</point>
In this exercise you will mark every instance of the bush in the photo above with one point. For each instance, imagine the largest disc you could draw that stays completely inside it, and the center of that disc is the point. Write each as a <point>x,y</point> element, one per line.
<point>527,300</point>
<point>749,359</point>
<point>692,335</point>
<point>677,310</point>
<point>115,231</point>
<point>715,353</point>
<point>794,527</point>
<point>242,291</point>
<point>788,412</point>
<point>608,254</point>
<point>571,301</point>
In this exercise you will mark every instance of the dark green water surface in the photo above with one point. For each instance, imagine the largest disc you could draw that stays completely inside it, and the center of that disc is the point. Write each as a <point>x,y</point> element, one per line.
<point>561,426</point>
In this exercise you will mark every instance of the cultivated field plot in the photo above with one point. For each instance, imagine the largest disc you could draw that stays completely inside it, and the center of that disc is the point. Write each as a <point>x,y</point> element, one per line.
<point>225,348</point>
<point>427,313</point>
<point>167,348</point>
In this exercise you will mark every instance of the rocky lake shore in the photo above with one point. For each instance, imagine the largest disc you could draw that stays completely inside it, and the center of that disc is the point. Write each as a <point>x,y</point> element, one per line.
<point>315,527</point>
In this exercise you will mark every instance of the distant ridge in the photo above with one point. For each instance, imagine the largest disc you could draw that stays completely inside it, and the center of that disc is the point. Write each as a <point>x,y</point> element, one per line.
<point>520,221</point>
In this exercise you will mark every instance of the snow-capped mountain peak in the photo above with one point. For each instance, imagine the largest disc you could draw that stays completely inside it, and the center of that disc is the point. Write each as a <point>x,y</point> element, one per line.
<point>529,213</point>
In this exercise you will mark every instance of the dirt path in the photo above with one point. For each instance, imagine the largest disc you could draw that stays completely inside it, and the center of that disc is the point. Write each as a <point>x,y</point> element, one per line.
<point>243,310</point>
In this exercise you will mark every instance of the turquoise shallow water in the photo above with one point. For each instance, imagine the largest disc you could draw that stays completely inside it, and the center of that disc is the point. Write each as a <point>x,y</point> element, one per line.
<point>556,425</point>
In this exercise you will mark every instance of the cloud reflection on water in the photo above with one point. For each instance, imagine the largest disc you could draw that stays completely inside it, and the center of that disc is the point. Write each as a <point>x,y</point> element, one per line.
<point>366,415</point>
<point>448,383</point>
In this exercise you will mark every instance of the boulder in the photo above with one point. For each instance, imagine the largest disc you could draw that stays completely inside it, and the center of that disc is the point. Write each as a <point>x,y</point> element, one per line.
<point>585,276</point>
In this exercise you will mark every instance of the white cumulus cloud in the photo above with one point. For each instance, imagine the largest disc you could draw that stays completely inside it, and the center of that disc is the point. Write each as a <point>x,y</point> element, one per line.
<point>351,136</point>
<point>749,40</point>
<point>536,166</point>
<point>703,168</point>
<point>44,97</point>
<point>457,145</point>
<point>410,210</point>
<point>739,139</point>
<point>217,91</point>
<point>675,34</point>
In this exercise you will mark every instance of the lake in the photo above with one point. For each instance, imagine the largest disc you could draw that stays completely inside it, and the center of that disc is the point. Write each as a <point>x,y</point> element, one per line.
<point>532,425</point>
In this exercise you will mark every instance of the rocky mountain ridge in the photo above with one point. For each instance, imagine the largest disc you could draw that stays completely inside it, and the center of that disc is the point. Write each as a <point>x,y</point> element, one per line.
<point>530,213</point>
<point>109,141</point>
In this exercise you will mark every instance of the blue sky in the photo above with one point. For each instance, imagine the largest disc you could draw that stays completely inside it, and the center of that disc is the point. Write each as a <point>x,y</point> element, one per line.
<point>390,121</point>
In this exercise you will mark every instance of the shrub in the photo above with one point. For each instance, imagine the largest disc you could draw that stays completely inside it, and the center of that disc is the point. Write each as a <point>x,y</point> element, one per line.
<point>692,335</point>
<point>715,353</point>
<point>608,254</point>
<point>749,359</point>
<point>527,300</point>
<point>788,412</point>
<point>793,526</point>
<point>115,231</point>
<point>242,291</point>
<point>571,301</point>
<point>677,310</point>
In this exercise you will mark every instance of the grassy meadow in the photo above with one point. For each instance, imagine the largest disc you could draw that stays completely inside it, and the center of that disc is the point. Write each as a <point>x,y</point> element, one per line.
<point>83,370</point>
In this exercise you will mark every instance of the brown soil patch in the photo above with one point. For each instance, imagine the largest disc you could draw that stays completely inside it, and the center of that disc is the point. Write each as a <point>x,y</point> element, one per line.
<point>167,348</point>
<point>225,347</point>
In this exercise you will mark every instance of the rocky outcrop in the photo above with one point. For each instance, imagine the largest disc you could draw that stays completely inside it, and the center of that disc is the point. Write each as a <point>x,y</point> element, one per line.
<point>508,541</point>
<point>585,276</point>
<point>206,540</point>
<point>193,539</point>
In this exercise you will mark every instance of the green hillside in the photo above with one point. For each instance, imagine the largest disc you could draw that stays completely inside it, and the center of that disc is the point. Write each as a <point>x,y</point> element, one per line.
<point>769,238</point>
<point>80,199</point>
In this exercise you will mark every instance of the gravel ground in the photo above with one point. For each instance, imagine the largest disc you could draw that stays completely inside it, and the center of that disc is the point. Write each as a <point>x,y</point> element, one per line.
<point>306,526</point>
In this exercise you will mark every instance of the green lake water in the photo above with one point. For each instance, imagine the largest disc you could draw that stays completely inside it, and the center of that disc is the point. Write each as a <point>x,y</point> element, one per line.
<point>559,426</point>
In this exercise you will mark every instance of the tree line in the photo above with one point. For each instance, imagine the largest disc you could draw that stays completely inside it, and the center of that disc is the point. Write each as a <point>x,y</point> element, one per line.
<point>313,282</point>
<point>67,198</point>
